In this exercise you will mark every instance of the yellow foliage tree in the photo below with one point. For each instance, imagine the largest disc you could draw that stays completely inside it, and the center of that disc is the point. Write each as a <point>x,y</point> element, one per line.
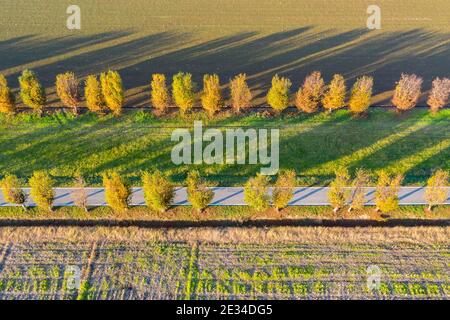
<point>283,191</point>
<point>278,95</point>
<point>158,190</point>
<point>12,191</point>
<point>256,192</point>
<point>407,92</point>
<point>439,94</point>
<point>241,96</point>
<point>42,192</point>
<point>309,95</point>
<point>386,194</point>
<point>32,92</point>
<point>112,90</point>
<point>334,96</point>
<point>93,94</point>
<point>211,97</point>
<point>361,95</point>
<point>117,192</point>
<point>67,88</point>
<point>436,191</point>
<point>7,99</point>
<point>160,94</point>
<point>183,91</point>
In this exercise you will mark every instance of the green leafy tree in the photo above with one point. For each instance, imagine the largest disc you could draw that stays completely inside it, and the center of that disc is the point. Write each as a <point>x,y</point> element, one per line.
<point>42,192</point>
<point>386,194</point>
<point>117,191</point>
<point>7,99</point>
<point>241,95</point>
<point>436,192</point>
<point>283,191</point>
<point>93,94</point>
<point>338,193</point>
<point>112,90</point>
<point>256,193</point>
<point>199,195</point>
<point>183,91</point>
<point>158,191</point>
<point>358,190</point>
<point>68,90</point>
<point>361,95</point>
<point>407,92</point>
<point>31,91</point>
<point>278,95</point>
<point>211,96</point>
<point>309,95</point>
<point>160,94</point>
<point>334,96</point>
<point>12,190</point>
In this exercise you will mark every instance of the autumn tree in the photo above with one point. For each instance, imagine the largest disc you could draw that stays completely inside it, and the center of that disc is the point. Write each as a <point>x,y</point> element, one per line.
<point>117,191</point>
<point>358,190</point>
<point>407,92</point>
<point>12,191</point>
<point>199,195</point>
<point>338,192</point>
<point>334,95</point>
<point>160,94</point>
<point>361,95</point>
<point>256,192</point>
<point>241,96</point>
<point>93,94</point>
<point>68,90</point>
<point>283,191</point>
<point>386,194</point>
<point>79,194</point>
<point>31,91</point>
<point>278,95</point>
<point>158,190</point>
<point>183,91</point>
<point>211,96</point>
<point>436,192</point>
<point>42,193</point>
<point>309,95</point>
<point>440,92</point>
<point>112,91</point>
<point>7,99</point>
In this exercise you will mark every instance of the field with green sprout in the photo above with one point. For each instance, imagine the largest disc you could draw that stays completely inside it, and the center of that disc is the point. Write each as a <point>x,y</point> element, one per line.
<point>287,268</point>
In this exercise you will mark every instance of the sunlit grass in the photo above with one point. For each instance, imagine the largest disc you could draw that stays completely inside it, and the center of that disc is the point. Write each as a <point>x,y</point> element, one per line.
<point>413,144</point>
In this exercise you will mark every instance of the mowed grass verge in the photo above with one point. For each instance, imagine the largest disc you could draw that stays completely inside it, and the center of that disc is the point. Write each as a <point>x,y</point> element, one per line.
<point>413,144</point>
<point>288,263</point>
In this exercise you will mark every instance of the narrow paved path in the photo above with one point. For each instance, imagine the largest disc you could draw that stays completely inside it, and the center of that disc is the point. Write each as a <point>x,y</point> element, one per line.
<point>232,196</point>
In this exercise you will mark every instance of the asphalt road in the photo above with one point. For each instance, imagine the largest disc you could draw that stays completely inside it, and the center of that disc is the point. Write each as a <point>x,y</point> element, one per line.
<point>231,196</point>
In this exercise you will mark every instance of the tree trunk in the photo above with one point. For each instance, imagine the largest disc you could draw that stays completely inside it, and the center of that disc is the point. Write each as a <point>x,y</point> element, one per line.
<point>335,210</point>
<point>24,207</point>
<point>430,208</point>
<point>86,209</point>
<point>349,209</point>
<point>377,209</point>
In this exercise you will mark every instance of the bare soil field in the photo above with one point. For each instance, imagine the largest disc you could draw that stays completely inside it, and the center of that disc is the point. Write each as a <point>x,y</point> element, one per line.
<point>279,263</point>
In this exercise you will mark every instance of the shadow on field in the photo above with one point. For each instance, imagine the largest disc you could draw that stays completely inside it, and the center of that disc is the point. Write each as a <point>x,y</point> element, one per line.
<point>293,53</point>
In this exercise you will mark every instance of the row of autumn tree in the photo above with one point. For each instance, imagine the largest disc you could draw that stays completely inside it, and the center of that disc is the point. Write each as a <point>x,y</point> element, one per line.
<point>159,191</point>
<point>106,93</point>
